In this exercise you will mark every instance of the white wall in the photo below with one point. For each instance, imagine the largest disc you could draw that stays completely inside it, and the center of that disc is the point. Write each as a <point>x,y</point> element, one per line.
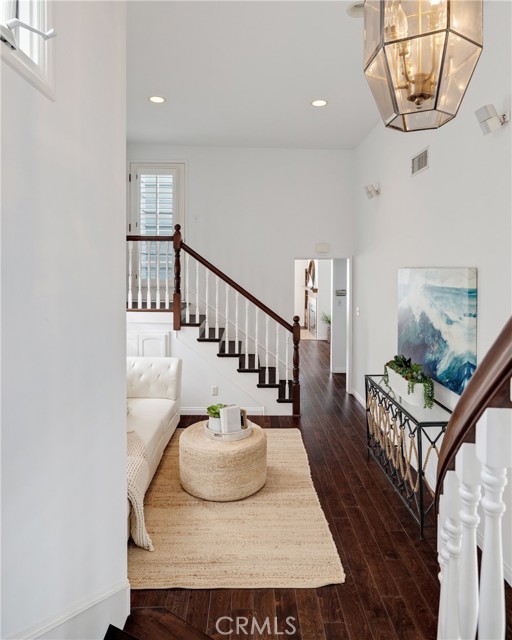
<point>457,213</point>
<point>253,211</point>
<point>339,317</point>
<point>323,296</point>
<point>63,410</point>
<point>299,282</point>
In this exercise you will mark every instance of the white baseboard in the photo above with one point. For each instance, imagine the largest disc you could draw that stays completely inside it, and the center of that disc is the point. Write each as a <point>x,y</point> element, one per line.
<point>359,398</point>
<point>201,411</point>
<point>338,370</point>
<point>87,620</point>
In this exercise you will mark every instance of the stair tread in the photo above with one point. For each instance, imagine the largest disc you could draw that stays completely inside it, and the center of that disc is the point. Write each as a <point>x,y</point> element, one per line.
<point>212,336</point>
<point>114,633</point>
<point>158,623</point>
<point>193,321</point>
<point>231,352</point>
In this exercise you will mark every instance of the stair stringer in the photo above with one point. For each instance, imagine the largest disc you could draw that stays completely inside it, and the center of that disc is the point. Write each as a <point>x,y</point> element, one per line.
<point>202,369</point>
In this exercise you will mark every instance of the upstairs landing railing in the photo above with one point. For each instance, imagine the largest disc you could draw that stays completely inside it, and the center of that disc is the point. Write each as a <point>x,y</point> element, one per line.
<point>475,458</point>
<point>198,293</point>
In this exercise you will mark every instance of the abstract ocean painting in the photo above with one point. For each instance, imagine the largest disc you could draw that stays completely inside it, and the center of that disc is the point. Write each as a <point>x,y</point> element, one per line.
<point>437,314</point>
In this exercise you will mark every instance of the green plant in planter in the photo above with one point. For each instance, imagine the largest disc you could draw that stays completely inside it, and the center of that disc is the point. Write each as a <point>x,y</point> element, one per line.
<point>214,410</point>
<point>325,318</point>
<point>414,374</point>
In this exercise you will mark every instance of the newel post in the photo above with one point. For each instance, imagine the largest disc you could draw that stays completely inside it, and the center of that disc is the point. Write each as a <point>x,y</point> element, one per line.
<point>176,299</point>
<point>296,361</point>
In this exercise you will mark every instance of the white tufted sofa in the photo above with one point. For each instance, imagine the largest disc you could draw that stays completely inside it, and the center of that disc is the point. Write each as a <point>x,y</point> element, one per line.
<point>153,396</point>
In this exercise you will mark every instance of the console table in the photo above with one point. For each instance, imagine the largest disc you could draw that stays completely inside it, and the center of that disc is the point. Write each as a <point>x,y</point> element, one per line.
<point>404,440</point>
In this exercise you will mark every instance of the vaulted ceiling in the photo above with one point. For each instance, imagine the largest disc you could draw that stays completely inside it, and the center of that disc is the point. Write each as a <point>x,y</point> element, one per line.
<point>244,73</point>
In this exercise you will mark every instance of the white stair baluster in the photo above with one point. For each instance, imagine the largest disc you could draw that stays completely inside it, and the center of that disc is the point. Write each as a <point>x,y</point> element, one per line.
<point>246,333</point>
<point>167,275</point>
<point>130,296</point>
<point>442,556</point>
<point>267,373</point>
<point>467,468</point>
<point>286,365</point>
<point>206,303</point>
<point>217,329</point>
<point>148,282</point>
<point>277,354</point>
<point>226,332</point>
<point>197,291</point>
<point>157,269</point>
<point>237,296</point>
<point>139,287</point>
<point>187,289</point>
<point>494,450</point>
<point>453,545</point>
<point>256,339</point>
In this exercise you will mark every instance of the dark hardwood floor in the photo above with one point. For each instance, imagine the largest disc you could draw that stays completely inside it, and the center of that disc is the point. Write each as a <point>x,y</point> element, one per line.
<point>391,589</point>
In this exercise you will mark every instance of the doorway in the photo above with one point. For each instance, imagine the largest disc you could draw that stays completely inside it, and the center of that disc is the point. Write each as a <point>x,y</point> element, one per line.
<point>322,302</point>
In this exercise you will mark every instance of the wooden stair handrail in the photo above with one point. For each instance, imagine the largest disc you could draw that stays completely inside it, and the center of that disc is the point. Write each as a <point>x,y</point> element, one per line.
<point>219,273</point>
<point>237,287</point>
<point>488,387</point>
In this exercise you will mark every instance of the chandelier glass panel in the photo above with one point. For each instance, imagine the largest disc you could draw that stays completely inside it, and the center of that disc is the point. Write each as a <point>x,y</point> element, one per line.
<point>419,56</point>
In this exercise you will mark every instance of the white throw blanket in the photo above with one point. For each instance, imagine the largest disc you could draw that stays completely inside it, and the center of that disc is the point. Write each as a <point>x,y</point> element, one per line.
<point>138,474</point>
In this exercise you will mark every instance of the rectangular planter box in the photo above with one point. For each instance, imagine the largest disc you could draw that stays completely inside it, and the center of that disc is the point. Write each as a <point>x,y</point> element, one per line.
<point>399,386</point>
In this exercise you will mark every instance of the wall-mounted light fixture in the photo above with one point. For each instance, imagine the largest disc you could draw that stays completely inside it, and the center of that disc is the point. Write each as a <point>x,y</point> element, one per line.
<point>489,119</point>
<point>419,58</point>
<point>371,191</point>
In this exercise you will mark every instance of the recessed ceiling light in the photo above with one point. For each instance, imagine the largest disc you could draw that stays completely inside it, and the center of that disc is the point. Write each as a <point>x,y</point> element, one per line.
<point>319,103</point>
<point>156,99</point>
<point>356,10</point>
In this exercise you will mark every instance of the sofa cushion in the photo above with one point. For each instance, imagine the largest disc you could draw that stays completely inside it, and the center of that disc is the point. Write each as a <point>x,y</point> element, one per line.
<point>150,418</point>
<point>153,377</point>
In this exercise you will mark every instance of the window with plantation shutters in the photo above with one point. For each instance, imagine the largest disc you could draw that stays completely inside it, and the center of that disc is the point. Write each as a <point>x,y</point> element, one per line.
<point>156,206</point>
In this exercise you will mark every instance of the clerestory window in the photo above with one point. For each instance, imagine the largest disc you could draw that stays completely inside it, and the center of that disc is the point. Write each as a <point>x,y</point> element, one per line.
<point>26,35</point>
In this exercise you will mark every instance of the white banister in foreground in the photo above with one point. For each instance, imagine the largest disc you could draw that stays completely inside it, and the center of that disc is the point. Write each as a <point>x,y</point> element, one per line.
<point>451,553</point>
<point>494,450</point>
<point>467,468</point>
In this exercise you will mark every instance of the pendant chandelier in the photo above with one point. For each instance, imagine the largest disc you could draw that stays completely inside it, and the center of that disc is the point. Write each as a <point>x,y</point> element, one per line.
<point>419,56</point>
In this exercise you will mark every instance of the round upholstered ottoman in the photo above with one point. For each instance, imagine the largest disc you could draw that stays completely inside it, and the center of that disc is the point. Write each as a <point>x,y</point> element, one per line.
<point>222,471</point>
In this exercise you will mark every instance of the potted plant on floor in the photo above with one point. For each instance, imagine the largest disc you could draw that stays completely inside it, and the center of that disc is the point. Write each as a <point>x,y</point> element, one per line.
<point>326,319</point>
<point>409,381</point>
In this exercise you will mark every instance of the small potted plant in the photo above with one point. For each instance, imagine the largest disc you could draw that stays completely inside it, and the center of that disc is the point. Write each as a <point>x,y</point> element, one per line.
<point>326,319</point>
<point>213,412</point>
<point>409,381</point>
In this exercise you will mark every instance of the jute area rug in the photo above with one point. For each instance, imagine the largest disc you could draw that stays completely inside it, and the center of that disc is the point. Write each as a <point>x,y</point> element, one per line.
<point>278,537</point>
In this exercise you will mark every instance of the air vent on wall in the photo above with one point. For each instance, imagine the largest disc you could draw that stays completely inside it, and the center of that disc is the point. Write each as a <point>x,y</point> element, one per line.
<point>419,162</point>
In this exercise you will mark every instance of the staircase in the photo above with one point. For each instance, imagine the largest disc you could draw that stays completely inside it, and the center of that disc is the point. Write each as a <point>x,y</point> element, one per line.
<point>201,295</point>
<point>475,458</point>
<point>154,623</point>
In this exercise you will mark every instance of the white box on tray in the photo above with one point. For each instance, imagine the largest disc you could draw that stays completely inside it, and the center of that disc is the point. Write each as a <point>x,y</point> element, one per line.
<point>230,419</point>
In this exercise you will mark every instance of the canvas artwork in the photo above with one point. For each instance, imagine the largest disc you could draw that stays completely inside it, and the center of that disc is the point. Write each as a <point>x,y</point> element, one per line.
<point>437,315</point>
